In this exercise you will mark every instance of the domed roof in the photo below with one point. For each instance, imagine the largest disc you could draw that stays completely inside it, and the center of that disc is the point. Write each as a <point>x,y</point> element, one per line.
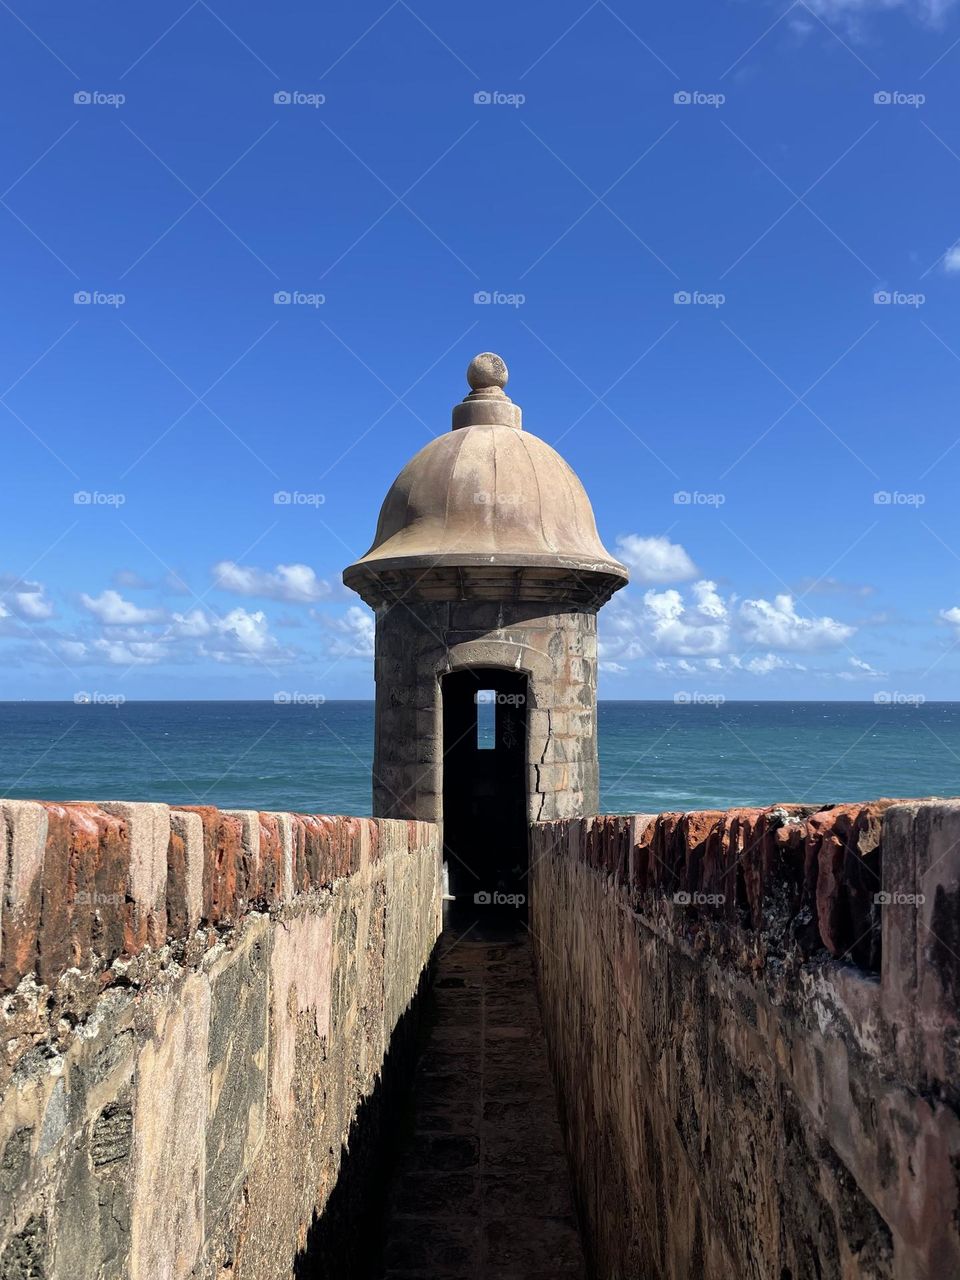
<point>488,493</point>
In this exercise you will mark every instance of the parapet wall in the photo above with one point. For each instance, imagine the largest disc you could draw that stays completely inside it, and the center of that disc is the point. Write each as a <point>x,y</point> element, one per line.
<point>754,1021</point>
<point>202,1011</point>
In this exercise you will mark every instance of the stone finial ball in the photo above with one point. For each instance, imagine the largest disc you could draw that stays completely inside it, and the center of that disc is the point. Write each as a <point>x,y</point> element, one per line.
<point>487,370</point>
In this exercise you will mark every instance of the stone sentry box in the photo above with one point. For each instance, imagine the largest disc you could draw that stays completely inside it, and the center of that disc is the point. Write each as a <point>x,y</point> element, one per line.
<point>487,560</point>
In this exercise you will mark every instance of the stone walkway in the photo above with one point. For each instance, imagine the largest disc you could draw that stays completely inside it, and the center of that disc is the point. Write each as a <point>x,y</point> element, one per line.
<point>482,1190</point>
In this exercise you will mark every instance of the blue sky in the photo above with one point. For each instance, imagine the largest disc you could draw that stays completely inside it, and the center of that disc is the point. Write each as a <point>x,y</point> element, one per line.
<point>791,169</point>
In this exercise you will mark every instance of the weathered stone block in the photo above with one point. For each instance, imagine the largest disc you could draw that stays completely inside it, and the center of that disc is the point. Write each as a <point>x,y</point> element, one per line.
<point>24,841</point>
<point>237,1070</point>
<point>169,1139</point>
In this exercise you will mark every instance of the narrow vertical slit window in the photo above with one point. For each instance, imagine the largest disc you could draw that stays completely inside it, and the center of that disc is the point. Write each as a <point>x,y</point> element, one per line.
<point>486,719</point>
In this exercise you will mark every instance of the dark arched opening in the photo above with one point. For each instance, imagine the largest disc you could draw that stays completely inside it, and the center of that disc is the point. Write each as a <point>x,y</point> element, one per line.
<point>485,789</point>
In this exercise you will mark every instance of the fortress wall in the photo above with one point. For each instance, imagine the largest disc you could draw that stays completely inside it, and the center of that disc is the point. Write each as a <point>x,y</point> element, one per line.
<point>202,1013</point>
<point>757,1058</point>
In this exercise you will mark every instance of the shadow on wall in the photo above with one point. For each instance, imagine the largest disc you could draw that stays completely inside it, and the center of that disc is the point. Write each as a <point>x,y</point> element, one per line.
<point>345,1241</point>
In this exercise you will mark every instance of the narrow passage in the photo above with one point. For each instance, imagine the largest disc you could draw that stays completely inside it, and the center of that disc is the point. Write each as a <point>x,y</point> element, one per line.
<point>482,1190</point>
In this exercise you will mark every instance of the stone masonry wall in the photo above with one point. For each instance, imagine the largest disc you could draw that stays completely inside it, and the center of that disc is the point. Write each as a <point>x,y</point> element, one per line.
<point>754,1021</point>
<point>197,1009</point>
<point>418,642</point>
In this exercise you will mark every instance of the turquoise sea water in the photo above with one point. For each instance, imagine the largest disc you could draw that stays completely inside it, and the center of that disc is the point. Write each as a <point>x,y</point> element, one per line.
<point>653,755</point>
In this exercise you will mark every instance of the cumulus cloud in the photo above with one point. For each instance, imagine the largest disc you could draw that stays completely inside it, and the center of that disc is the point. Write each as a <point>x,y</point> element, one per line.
<point>294,583</point>
<point>353,633</point>
<point>850,13</point>
<point>951,260</point>
<point>656,559</point>
<point>129,653</point>
<point>696,630</point>
<point>952,616</point>
<point>111,608</point>
<point>777,625</point>
<point>24,600</point>
<point>238,636</point>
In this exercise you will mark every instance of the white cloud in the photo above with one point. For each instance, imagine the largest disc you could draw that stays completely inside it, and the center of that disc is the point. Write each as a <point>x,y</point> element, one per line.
<point>674,627</point>
<point>764,663</point>
<point>861,671</point>
<point>194,623</point>
<point>26,600</point>
<point>295,583</point>
<point>33,605</point>
<point>951,615</point>
<point>777,625</point>
<point>655,559</point>
<point>111,608</point>
<point>354,633</point>
<point>951,260</point>
<point>130,653</point>
<point>848,12</point>
<point>239,636</point>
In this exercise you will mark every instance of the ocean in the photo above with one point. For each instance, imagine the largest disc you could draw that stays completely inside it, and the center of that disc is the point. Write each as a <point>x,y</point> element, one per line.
<point>653,755</point>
